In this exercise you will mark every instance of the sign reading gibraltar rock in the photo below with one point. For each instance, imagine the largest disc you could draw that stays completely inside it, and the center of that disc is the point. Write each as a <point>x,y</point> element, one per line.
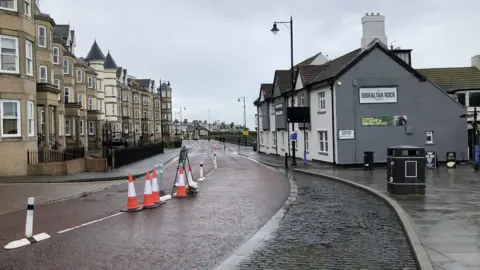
<point>378,95</point>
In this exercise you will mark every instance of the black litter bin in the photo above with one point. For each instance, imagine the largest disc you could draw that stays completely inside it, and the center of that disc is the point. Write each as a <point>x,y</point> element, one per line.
<point>368,160</point>
<point>254,145</point>
<point>406,170</point>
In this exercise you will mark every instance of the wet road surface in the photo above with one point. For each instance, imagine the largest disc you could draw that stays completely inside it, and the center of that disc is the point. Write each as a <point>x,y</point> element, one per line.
<point>193,233</point>
<point>334,226</point>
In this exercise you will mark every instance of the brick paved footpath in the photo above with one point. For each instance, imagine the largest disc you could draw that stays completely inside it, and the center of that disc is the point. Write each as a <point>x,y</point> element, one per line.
<point>334,226</point>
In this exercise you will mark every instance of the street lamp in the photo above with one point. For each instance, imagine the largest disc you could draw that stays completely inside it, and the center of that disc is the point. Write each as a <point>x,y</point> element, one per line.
<point>275,30</point>
<point>181,120</point>
<point>209,130</point>
<point>244,119</point>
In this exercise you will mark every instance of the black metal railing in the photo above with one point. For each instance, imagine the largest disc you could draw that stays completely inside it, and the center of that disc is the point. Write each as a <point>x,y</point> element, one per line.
<point>48,156</point>
<point>124,156</point>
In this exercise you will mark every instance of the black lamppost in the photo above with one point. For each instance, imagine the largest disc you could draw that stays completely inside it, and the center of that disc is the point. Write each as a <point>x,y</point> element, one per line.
<point>209,130</point>
<point>275,30</point>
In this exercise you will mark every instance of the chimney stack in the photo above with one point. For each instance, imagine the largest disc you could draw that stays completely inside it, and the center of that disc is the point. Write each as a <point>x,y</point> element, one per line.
<point>373,27</point>
<point>476,61</point>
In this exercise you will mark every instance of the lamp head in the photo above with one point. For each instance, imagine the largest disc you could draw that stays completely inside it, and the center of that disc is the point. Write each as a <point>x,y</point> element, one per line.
<point>275,29</point>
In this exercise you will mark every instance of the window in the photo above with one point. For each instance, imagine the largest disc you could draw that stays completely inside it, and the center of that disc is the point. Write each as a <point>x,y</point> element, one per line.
<point>91,128</point>
<point>145,128</point>
<point>42,36</point>
<point>10,115</point>
<point>157,102</point>
<point>67,94</point>
<point>56,55</point>
<point>306,141</point>
<point>90,82</point>
<point>302,99</point>
<point>125,127</point>
<point>261,137</point>
<point>42,74</point>
<point>321,101</point>
<point>100,86</point>
<point>157,116</point>
<point>135,99</point>
<point>90,104</point>
<point>157,128</point>
<point>100,106</point>
<point>125,96</point>
<point>9,54</point>
<point>66,67</point>
<point>125,111</point>
<point>8,5</point>
<point>81,128</point>
<point>28,58</point>
<point>79,76</point>
<point>145,101</point>
<point>27,6</point>
<point>136,128</point>
<point>429,135</point>
<point>283,138</point>
<point>80,99</point>
<point>272,109</point>
<point>145,114</point>
<point>323,142</point>
<point>274,135</point>
<point>164,105</point>
<point>31,118</point>
<point>52,75</point>
<point>67,126</point>
<point>56,82</point>
<point>115,106</point>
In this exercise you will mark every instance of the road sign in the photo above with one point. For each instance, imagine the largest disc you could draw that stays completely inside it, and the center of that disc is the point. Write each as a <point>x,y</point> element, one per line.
<point>245,133</point>
<point>293,136</point>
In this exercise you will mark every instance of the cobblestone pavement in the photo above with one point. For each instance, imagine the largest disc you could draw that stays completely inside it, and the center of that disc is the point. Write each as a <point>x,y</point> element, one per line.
<point>334,226</point>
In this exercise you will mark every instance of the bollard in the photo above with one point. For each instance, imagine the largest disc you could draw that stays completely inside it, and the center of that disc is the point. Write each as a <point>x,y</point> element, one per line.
<point>29,237</point>
<point>29,221</point>
<point>201,169</point>
<point>160,180</point>
<point>286,161</point>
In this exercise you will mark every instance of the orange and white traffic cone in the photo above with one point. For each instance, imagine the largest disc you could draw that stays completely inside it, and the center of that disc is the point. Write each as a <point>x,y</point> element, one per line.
<point>132,202</point>
<point>191,182</point>
<point>147,194</point>
<point>181,188</point>
<point>155,191</point>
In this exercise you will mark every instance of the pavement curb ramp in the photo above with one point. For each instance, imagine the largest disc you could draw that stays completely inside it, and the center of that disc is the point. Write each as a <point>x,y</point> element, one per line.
<point>96,179</point>
<point>265,231</point>
<point>419,251</point>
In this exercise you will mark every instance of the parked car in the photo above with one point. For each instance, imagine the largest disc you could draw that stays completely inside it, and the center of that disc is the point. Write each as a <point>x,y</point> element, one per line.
<point>117,142</point>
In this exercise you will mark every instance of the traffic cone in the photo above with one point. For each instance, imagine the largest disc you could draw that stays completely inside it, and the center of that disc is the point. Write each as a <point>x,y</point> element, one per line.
<point>132,202</point>
<point>147,194</point>
<point>181,189</point>
<point>190,180</point>
<point>155,191</point>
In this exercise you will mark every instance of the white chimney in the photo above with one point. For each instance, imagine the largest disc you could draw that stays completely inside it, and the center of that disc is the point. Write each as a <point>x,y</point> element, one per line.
<point>476,61</point>
<point>373,27</point>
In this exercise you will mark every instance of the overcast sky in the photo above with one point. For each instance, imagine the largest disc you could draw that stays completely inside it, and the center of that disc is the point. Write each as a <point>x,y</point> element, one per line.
<point>215,51</point>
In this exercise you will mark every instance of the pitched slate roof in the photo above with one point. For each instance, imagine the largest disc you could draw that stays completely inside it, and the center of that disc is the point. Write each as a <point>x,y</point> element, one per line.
<point>343,63</point>
<point>335,66</point>
<point>308,73</point>
<point>144,83</point>
<point>255,103</point>
<point>282,80</point>
<point>308,61</point>
<point>60,32</point>
<point>266,89</point>
<point>109,62</point>
<point>81,61</point>
<point>95,53</point>
<point>119,72</point>
<point>453,78</point>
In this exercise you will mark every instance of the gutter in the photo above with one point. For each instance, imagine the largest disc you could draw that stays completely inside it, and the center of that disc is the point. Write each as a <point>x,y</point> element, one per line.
<point>333,124</point>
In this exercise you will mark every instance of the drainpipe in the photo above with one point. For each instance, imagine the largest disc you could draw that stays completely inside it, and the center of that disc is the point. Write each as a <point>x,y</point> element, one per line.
<point>333,123</point>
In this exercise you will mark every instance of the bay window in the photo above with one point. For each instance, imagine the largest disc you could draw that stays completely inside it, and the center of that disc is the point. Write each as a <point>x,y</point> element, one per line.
<point>10,118</point>
<point>9,54</point>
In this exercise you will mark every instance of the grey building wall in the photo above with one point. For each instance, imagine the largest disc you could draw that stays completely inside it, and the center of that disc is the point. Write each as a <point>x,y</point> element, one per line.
<point>426,107</point>
<point>266,115</point>
<point>280,120</point>
<point>307,104</point>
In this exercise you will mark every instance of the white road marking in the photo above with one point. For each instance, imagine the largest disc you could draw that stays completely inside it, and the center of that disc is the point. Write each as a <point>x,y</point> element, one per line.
<point>89,223</point>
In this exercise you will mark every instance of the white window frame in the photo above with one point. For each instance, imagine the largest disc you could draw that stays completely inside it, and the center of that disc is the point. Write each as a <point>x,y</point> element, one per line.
<point>91,128</point>
<point>274,136</point>
<point>52,75</point>
<point>40,78</point>
<point>27,8</point>
<point>125,96</point>
<point>80,99</point>
<point>28,59</point>
<point>56,55</point>
<point>145,128</point>
<point>302,99</point>
<point>90,104</point>
<point>145,114</point>
<point>322,141</point>
<point>66,90</point>
<point>429,137</point>
<point>157,103</point>
<point>18,118</point>
<point>145,101</point>
<point>90,82</point>
<point>15,7</point>
<point>79,76</point>
<point>82,128</point>
<point>56,82</point>
<point>322,101</point>
<point>68,126</point>
<point>39,36</point>
<point>31,118</point>
<point>135,99</point>
<point>157,116</point>
<point>17,63</point>
<point>66,64</point>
